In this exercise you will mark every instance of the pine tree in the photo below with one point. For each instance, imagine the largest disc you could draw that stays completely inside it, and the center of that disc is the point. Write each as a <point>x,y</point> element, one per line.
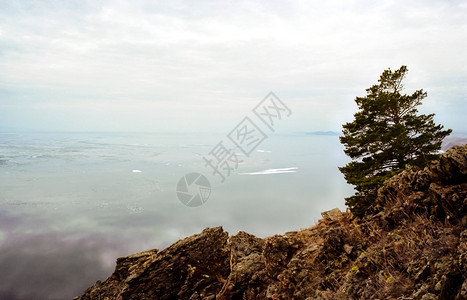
<point>386,136</point>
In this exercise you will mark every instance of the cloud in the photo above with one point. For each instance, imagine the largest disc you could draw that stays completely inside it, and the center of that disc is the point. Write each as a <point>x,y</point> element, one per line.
<point>205,53</point>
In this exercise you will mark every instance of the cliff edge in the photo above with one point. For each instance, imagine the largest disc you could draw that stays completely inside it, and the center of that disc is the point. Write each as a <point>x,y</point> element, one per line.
<point>413,245</point>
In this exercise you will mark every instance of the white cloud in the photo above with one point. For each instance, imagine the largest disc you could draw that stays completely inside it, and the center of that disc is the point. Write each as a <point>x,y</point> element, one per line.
<point>207,55</point>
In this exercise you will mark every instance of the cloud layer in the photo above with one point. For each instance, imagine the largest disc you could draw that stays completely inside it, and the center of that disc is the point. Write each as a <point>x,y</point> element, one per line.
<point>179,65</point>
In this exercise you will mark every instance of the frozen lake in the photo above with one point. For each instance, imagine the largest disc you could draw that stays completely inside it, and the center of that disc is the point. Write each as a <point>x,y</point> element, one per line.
<point>71,203</point>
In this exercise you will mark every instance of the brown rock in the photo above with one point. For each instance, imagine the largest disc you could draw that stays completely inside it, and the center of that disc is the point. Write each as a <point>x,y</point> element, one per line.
<point>332,214</point>
<point>348,249</point>
<point>245,262</point>
<point>193,267</point>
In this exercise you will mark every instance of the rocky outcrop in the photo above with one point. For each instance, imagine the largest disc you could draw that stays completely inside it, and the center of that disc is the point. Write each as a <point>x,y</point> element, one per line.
<point>413,246</point>
<point>193,268</point>
<point>438,191</point>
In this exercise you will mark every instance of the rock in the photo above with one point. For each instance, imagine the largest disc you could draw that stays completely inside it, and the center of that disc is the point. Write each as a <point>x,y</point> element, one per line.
<point>332,214</point>
<point>438,191</point>
<point>429,296</point>
<point>245,262</point>
<point>463,291</point>
<point>192,267</point>
<point>348,249</point>
<point>438,286</point>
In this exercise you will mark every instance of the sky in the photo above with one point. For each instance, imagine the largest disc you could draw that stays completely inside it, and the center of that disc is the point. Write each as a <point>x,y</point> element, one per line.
<point>175,66</point>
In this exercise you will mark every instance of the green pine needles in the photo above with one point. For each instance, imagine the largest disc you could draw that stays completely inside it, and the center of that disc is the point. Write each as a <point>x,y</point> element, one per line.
<point>386,136</point>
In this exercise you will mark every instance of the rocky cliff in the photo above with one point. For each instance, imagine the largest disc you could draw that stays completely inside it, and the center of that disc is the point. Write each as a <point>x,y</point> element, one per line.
<point>412,246</point>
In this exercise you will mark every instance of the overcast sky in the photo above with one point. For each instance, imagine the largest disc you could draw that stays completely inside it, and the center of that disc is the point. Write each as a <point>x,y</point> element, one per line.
<point>203,65</point>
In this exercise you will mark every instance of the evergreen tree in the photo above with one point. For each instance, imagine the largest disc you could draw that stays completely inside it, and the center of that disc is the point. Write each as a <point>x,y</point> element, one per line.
<point>385,136</point>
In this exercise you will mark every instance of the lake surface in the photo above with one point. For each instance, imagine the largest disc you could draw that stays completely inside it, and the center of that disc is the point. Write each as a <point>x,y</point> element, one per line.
<point>71,203</point>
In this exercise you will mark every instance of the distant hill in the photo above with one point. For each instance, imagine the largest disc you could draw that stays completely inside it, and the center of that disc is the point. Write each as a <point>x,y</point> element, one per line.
<point>330,133</point>
<point>449,142</point>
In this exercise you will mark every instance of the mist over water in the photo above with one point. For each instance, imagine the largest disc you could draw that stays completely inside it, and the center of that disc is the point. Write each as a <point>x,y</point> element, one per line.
<point>71,203</point>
